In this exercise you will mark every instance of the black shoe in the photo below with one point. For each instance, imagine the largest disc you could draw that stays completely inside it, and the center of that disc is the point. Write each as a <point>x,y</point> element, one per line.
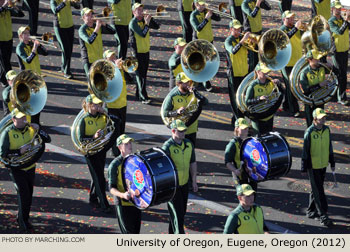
<point>343,102</point>
<point>297,114</point>
<point>147,101</point>
<point>68,76</point>
<point>314,216</point>
<point>327,223</point>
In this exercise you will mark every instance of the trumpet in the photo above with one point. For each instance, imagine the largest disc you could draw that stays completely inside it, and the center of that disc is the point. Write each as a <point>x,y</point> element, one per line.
<point>159,13</point>
<point>221,10</point>
<point>251,42</point>
<point>46,39</point>
<point>106,14</point>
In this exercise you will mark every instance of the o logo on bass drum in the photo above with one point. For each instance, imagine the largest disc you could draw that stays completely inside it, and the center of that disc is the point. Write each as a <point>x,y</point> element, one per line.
<point>255,156</point>
<point>138,179</point>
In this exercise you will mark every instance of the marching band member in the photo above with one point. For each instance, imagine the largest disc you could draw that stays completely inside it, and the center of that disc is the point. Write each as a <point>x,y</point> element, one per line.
<point>340,30</point>
<point>317,153</point>
<point>14,140</point>
<point>258,91</point>
<point>179,99</point>
<point>140,43</point>
<point>248,217</point>
<point>201,23</point>
<point>33,9</point>
<point>293,31</point>
<point>174,62</point>
<point>91,127</point>
<point>236,9</point>
<point>117,107</point>
<point>129,216</point>
<point>233,155</point>
<point>27,51</point>
<point>252,19</point>
<point>90,38</point>
<point>185,8</point>
<point>312,78</point>
<point>6,37</point>
<point>237,64</point>
<point>321,7</point>
<point>181,152</point>
<point>122,10</point>
<point>64,29</point>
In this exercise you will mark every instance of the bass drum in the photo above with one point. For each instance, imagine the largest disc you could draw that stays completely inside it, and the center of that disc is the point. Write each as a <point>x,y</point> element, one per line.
<point>266,157</point>
<point>151,176</point>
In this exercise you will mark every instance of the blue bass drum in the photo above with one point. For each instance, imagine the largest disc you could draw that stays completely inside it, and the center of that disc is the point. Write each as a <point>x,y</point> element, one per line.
<point>266,157</point>
<point>151,176</point>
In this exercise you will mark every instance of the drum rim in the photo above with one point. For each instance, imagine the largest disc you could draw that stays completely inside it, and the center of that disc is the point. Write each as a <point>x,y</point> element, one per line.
<point>289,152</point>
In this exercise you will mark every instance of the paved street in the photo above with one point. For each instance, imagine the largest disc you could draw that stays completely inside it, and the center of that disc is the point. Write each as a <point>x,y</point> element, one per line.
<point>60,203</point>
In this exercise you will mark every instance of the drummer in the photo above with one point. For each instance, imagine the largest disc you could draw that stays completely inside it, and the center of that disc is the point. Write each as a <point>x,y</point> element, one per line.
<point>129,216</point>
<point>233,155</point>
<point>181,152</point>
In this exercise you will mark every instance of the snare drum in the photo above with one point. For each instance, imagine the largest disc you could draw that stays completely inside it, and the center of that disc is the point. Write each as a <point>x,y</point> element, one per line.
<point>151,176</point>
<point>266,157</point>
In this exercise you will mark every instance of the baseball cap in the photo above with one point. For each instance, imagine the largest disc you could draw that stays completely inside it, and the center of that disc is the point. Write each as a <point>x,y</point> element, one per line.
<point>336,4</point>
<point>10,75</point>
<point>124,139</point>
<point>180,42</point>
<point>287,14</point>
<point>16,113</point>
<point>93,99</point>
<point>136,5</point>
<point>201,2</point>
<point>182,77</point>
<point>235,24</point>
<point>318,113</point>
<point>178,124</point>
<point>313,54</point>
<point>85,11</point>
<point>262,67</point>
<point>244,189</point>
<point>242,123</point>
<point>108,53</point>
<point>22,29</point>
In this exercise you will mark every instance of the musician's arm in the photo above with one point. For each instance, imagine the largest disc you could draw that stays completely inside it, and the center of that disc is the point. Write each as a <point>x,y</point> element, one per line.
<point>56,8</point>
<point>81,132</point>
<point>331,154</point>
<point>195,23</point>
<point>137,29</point>
<point>22,54</point>
<point>265,5</point>
<point>305,84</point>
<point>216,17</point>
<point>305,156</point>
<point>249,99</point>
<point>193,169</point>
<point>42,50</point>
<point>153,24</point>
<point>335,28</point>
<point>202,100</point>
<point>107,29</point>
<point>231,224</point>
<point>4,144</point>
<point>246,9</point>
<point>230,153</point>
<point>16,12</point>
<point>168,107</point>
<point>292,31</point>
<point>112,178</point>
<point>85,36</point>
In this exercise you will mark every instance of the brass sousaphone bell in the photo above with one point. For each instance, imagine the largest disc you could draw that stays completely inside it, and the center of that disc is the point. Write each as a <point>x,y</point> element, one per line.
<point>28,95</point>
<point>318,37</point>
<point>105,81</point>
<point>275,51</point>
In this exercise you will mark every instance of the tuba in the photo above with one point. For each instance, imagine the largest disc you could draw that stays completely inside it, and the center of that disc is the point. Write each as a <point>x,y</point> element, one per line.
<point>274,50</point>
<point>200,60</point>
<point>105,81</point>
<point>28,95</point>
<point>317,37</point>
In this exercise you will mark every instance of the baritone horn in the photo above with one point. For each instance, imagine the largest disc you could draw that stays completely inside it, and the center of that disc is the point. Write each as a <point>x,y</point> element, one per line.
<point>130,64</point>
<point>28,95</point>
<point>46,39</point>
<point>159,13</point>
<point>274,50</point>
<point>106,14</point>
<point>318,37</point>
<point>221,10</point>
<point>105,81</point>
<point>200,60</point>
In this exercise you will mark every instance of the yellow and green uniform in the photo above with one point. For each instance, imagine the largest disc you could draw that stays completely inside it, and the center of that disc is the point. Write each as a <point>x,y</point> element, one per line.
<point>236,9</point>
<point>27,59</point>
<point>182,155</point>
<point>184,8</point>
<point>203,26</point>
<point>241,221</point>
<point>122,10</point>
<point>90,43</point>
<point>252,15</point>
<point>295,39</point>
<point>233,152</point>
<point>321,7</point>
<point>89,124</point>
<point>175,68</point>
<point>340,33</point>
<point>317,154</point>
<point>175,100</point>
<point>63,13</point>
<point>237,56</point>
<point>6,22</point>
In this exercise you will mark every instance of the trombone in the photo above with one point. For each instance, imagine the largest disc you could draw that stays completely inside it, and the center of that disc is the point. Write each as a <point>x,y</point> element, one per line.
<point>222,10</point>
<point>159,13</point>
<point>106,14</point>
<point>46,39</point>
